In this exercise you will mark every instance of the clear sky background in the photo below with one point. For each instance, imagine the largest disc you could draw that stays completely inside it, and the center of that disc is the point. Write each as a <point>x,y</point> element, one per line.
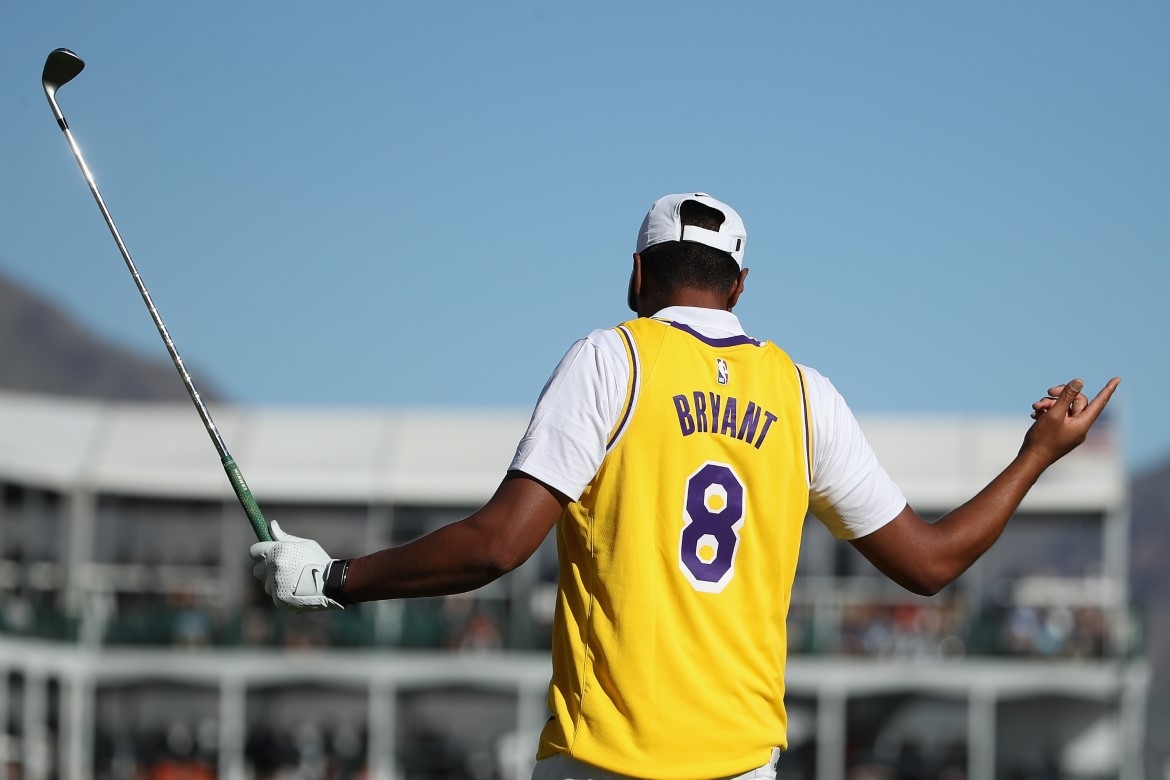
<point>950,207</point>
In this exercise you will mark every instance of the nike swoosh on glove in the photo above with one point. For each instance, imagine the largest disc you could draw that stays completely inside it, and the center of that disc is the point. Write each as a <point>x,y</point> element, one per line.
<point>293,572</point>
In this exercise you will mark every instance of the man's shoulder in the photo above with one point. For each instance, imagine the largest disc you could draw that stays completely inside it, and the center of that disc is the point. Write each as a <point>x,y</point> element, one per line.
<point>816,382</point>
<point>604,338</point>
<point>810,373</point>
<point>825,400</point>
<point>602,346</point>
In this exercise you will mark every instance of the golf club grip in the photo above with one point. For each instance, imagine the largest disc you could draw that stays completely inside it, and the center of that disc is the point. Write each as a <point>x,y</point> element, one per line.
<point>251,508</point>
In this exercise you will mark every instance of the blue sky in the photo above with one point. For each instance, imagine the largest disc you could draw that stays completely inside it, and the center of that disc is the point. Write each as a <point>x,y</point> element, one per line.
<point>950,207</point>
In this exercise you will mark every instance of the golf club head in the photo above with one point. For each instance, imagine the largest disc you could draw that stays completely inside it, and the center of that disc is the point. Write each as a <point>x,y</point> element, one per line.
<point>61,67</point>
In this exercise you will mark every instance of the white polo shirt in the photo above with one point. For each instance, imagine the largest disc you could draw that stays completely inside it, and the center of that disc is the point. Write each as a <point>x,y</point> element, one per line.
<point>565,443</point>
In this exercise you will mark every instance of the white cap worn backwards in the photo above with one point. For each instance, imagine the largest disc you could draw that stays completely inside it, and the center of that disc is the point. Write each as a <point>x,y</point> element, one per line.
<point>662,223</point>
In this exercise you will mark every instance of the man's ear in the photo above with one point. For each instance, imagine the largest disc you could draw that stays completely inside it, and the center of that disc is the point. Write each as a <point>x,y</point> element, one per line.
<point>635,288</point>
<point>737,290</point>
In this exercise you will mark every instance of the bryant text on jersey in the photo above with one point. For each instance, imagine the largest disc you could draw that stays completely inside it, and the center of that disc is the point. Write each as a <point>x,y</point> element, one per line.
<point>701,412</point>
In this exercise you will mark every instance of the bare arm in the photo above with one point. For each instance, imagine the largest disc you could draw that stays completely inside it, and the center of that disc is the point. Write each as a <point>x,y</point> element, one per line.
<point>924,557</point>
<point>464,555</point>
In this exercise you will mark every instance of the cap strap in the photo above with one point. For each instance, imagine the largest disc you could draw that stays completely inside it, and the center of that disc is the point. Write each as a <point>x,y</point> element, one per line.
<point>711,238</point>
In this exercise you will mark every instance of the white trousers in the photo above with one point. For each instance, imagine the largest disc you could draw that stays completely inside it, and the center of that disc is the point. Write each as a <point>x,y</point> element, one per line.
<point>562,767</point>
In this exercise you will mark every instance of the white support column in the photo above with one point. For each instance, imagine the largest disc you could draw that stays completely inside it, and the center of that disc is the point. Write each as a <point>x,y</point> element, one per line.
<point>34,753</point>
<point>379,526</point>
<point>1115,560</point>
<point>831,735</point>
<point>387,613</point>
<point>5,525</point>
<point>1132,719</point>
<point>79,537</point>
<point>5,697</point>
<point>233,727</point>
<point>981,734</point>
<point>531,714</point>
<point>383,730</point>
<point>76,741</point>
<point>92,607</point>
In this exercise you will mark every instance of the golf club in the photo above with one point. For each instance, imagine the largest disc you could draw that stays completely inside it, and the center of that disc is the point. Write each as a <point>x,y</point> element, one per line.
<point>61,67</point>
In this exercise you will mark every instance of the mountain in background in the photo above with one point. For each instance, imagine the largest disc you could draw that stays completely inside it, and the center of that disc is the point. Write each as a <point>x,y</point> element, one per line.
<point>42,350</point>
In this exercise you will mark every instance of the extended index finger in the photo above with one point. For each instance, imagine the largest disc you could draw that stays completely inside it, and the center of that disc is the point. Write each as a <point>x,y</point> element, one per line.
<point>1097,405</point>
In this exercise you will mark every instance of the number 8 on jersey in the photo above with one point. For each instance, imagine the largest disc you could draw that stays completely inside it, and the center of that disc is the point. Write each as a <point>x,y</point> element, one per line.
<point>713,513</point>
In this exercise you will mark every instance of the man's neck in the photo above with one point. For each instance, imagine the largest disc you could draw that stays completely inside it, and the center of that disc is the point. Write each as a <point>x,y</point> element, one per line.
<point>699,299</point>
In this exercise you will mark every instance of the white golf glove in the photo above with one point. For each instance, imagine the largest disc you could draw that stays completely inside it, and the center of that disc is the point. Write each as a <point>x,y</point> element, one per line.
<point>293,572</point>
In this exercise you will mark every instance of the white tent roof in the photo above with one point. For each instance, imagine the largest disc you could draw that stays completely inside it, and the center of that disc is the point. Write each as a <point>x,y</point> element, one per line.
<point>449,456</point>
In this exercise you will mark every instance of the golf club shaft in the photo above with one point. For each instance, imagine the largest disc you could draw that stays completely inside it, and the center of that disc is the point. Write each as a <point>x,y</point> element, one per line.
<point>243,493</point>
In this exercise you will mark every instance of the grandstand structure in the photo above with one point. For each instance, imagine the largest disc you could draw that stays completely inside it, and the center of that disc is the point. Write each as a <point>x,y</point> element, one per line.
<point>134,641</point>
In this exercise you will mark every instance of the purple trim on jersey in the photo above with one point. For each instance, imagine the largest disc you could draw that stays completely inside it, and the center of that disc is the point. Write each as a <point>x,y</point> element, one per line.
<point>634,379</point>
<point>730,341</point>
<point>807,426</point>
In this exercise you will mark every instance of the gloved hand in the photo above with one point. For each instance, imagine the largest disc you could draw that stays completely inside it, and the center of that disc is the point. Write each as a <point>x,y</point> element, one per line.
<point>293,572</point>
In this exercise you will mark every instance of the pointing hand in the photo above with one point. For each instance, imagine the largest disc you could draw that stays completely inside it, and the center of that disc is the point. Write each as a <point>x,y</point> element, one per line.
<point>1063,419</point>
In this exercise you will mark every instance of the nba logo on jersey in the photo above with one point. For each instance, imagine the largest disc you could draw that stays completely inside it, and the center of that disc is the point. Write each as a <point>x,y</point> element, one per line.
<point>721,370</point>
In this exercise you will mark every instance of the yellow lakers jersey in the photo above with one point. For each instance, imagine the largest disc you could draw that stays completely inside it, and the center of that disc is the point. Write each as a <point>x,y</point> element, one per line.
<point>677,561</point>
